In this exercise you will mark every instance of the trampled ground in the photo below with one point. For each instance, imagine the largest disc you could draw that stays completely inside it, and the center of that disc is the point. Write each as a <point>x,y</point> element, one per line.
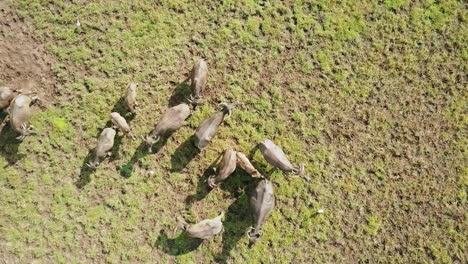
<point>370,95</point>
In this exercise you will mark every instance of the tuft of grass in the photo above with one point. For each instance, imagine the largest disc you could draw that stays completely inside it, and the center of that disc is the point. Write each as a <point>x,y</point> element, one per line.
<point>373,225</point>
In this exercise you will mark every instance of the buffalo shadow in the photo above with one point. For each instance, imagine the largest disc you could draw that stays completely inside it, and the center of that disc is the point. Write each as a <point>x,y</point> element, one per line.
<point>8,143</point>
<point>120,108</point>
<point>180,94</point>
<point>141,152</point>
<point>183,155</point>
<point>203,189</point>
<point>180,245</point>
<point>238,217</point>
<point>86,171</point>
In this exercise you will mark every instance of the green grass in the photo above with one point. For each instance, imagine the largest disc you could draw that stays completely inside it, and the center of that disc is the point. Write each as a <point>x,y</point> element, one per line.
<point>369,95</point>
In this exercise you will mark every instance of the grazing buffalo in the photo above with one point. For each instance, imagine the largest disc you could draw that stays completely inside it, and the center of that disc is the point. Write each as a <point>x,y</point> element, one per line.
<point>208,128</point>
<point>226,167</point>
<point>246,165</point>
<point>130,98</point>
<point>104,144</point>
<point>204,229</point>
<point>262,202</point>
<point>172,120</point>
<point>276,157</point>
<point>6,95</point>
<point>198,81</point>
<point>120,122</point>
<point>20,114</point>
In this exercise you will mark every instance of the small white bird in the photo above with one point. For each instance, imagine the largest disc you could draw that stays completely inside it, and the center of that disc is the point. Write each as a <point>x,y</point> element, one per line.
<point>321,211</point>
<point>151,172</point>
<point>78,24</point>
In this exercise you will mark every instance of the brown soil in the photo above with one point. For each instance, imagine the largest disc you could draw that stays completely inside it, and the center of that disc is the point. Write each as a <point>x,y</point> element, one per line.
<point>24,63</point>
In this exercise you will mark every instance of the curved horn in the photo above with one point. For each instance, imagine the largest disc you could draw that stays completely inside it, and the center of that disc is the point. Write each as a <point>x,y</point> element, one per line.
<point>223,105</point>
<point>253,237</point>
<point>181,224</point>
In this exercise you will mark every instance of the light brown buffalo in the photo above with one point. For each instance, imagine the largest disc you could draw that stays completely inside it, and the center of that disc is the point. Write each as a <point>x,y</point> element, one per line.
<point>20,114</point>
<point>198,78</point>
<point>104,144</point>
<point>172,120</point>
<point>246,165</point>
<point>6,95</point>
<point>120,122</point>
<point>204,229</point>
<point>226,167</point>
<point>130,98</point>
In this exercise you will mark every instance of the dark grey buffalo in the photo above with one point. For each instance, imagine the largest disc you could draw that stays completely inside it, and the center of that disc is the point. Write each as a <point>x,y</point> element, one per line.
<point>208,128</point>
<point>198,81</point>
<point>20,114</point>
<point>204,229</point>
<point>104,144</point>
<point>276,157</point>
<point>262,202</point>
<point>172,120</point>
<point>226,167</point>
<point>6,95</point>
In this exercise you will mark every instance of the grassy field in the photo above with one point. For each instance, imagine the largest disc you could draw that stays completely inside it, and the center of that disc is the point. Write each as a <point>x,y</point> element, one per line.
<point>370,95</point>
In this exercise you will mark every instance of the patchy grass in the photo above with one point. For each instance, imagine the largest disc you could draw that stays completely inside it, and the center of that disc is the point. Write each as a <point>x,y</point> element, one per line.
<point>369,95</point>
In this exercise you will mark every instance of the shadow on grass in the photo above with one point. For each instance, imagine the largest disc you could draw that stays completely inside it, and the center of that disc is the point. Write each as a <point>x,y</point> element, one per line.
<point>9,144</point>
<point>183,155</point>
<point>116,148</point>
<point>252,151</point>
<point>86,171</point>
<point>238,217</point>
<point>203,189</point>
<point>180,94</point>
<point>3,120</point>
<point>120,108</point>
<point>180,245</point>
<point>237,220</point>
<point>141,152</point>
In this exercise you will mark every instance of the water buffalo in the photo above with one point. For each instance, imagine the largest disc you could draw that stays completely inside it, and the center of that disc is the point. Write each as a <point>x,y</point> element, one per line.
<point>208,128</point>
<point>276,157</point>
<point>120,122</point>
<point>6,95</point>
<point>246,165</point>
<point>226,167</point>
<point>104,144</point>
<point>172,120</point>
<point>198,81</point>
<point>262,202</point>
<point>20,114</point>
<point>130,98</point>
<point>204,229</point>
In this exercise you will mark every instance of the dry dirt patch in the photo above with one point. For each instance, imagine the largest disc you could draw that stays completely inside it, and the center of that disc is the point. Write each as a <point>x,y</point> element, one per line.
<point>24,63</point>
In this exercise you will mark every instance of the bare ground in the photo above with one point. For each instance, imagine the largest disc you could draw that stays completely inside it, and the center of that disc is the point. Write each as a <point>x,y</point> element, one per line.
<point>24,63</point>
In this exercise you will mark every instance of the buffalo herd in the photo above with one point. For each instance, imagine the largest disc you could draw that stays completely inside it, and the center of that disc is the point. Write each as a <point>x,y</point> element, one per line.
<point>18,107</point>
